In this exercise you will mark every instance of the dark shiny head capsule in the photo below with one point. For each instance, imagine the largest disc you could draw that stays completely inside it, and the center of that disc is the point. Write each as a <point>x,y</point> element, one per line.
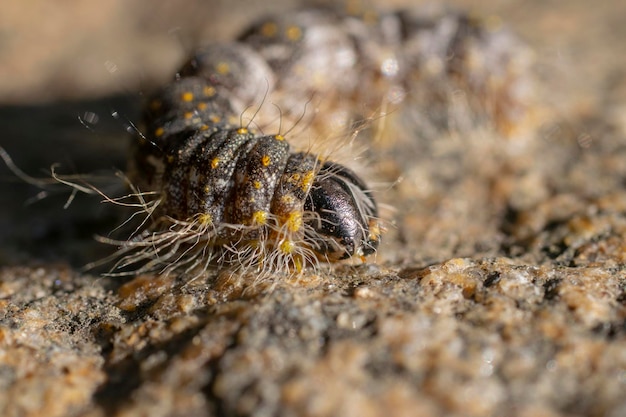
<point>345,215</point>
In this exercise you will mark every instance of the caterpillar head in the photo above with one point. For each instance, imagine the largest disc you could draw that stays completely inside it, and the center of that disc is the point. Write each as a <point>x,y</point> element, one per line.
<point>345,220</point>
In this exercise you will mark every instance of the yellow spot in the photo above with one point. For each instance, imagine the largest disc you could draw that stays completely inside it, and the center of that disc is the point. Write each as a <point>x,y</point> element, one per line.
<point>170,159</point>
<point>205,219</point>
<point>215,162</point>
<point>202,106</point>
<point>209,91</point>
<point>269,29</point>
<point>207,189</point>
<point>155,104</point>
<point>188,115</point>
<point>186,96</point>
<point>294,221</point>
<point>242,130</point>
<point>307,180</point>
<point>159,132</point>
<point>215,118</point>
<point>287,199</point>
<point>266,160</point>
<point>222,68</point>
<point>259,217</point>
<point>257,185</point>
<point>293,33</point>
<point>279,137</point>
<point>287,246</point>
<point>204,127</point>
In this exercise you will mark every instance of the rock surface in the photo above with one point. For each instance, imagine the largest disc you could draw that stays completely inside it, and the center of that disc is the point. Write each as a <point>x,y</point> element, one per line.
<point>500,288</point>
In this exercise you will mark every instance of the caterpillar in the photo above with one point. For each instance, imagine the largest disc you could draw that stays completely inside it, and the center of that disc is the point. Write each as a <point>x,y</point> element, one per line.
<point>227,193</point>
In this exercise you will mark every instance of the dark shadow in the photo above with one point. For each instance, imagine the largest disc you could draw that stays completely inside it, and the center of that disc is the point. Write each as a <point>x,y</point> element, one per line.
<point>34,226</point>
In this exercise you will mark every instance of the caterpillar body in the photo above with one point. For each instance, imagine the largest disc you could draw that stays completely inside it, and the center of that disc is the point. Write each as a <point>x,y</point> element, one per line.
<point>229,194</point>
